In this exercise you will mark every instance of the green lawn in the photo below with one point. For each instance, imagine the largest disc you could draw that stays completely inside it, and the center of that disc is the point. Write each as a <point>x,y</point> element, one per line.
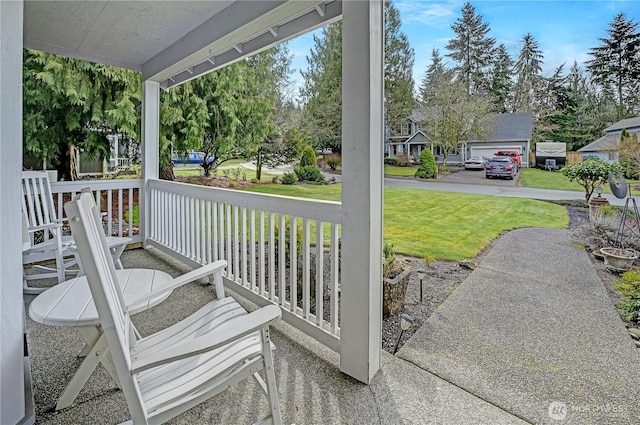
<point>541,179</point>
<point>450,226</point>
<point>399,171</point>
<point>197,171</point>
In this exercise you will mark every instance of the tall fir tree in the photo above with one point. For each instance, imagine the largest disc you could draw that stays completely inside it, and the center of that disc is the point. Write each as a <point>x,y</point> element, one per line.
<point>501,80</point>
<point>436,75</point>
<point>321,92</point>
<point>472,50</point>
<point>398,69</point>
<point>616,63</point>
<point>528,74</point>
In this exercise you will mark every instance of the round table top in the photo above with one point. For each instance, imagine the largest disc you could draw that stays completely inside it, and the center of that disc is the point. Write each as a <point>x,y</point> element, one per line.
<point>70,303</point>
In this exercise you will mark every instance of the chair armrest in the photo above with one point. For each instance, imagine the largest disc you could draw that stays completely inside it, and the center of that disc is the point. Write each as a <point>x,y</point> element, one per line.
<point>226,333</point>
<point>41,227</point>
<point>211,268</point>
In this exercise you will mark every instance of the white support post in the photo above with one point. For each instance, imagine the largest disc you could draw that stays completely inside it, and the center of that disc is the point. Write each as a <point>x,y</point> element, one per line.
<point>362,188</point>
<point>12,363</point>
<point>150,148</point>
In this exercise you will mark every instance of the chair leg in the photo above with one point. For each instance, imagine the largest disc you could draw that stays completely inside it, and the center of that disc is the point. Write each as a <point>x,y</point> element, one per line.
<point>272,389</point>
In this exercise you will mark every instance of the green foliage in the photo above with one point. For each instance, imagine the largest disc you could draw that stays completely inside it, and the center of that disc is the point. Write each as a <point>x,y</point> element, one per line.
<point>389,259</point>
<point>333,162</point>
<point>442,168</point>
<point>591,173</point>
<point>310,173</point>
<point>390,160</point>
<point>289,178</point>
<point>72,104</point>
<point>254,180</point>
<point>629,287</point>
<point>427,168</point>
<point>629,154</point>
<point>308,157</point>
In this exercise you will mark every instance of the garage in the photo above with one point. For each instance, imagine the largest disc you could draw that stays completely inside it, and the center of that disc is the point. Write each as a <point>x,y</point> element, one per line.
<point>490,152</point>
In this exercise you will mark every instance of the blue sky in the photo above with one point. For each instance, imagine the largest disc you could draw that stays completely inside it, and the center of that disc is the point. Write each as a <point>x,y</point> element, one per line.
<point>565,29</point>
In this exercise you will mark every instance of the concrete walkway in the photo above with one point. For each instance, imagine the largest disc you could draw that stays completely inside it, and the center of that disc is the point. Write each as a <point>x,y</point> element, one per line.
<point>533,332</point>
<point>529,337</point>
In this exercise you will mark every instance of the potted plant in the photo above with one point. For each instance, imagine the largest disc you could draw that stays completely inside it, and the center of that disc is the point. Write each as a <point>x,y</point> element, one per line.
<point>618,259</point>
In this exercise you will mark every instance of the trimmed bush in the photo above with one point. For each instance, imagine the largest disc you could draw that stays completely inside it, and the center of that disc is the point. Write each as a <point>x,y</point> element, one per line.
<point>308,157</point>
<point>288,178</point>
<point>390,160</point>
<point>309,173</point>
<point>427,168</point>
<point>629,288</point>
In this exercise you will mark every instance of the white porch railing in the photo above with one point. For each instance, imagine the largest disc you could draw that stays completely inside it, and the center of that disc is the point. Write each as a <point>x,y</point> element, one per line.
<point>297,269</point>
<point>115,198</point>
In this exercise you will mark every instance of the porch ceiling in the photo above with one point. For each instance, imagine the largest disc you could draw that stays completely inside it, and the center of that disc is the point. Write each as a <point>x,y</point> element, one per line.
<point>169,41</point>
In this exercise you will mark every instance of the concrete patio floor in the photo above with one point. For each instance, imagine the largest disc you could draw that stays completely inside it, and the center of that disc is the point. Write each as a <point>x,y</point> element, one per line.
<point>460,368</point>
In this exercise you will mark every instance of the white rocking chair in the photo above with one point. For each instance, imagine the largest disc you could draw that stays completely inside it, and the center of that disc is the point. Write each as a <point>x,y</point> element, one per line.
<point>39,216</point>
<point>167,373</point>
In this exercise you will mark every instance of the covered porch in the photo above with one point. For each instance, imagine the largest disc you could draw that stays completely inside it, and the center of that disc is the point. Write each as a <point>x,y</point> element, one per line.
<point>173,42</point>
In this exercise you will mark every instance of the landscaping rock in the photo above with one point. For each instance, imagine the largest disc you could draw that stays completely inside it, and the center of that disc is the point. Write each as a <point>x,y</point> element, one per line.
<point>635,333</point>
<point>394,291</point>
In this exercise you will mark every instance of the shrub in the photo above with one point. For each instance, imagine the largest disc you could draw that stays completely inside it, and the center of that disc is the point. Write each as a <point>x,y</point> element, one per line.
<point>427,168</point>
<point>333,162</point>
<point>390,160</point>
<point>590,173</point>
<point>629,288</point>
<point>289,178</point>
<point>255,180</point>
<point>388,259</point>
<point>308,157</point>
<point>275,179</point>
<point>233,183</point>
<point>602,231</point>
<point>309,173</point>
<point>443,168</point>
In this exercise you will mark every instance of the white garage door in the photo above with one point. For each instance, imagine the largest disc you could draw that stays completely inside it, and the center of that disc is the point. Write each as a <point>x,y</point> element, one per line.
<point>489,152</point>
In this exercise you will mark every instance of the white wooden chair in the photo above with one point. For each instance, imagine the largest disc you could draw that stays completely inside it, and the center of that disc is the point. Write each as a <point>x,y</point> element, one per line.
<point>167,373</point>
<point>45,233</point>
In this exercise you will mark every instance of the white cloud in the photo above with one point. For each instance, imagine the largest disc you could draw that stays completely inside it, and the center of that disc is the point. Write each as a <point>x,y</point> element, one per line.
<point>429,13</point>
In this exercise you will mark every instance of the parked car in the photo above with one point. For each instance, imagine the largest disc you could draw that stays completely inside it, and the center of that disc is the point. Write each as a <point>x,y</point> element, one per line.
<point>501,166</point>
<point>190,158</point>
<point>475,163</point>
<point>513,154</point>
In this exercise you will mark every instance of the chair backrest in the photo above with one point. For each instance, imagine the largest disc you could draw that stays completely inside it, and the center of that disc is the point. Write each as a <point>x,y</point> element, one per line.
<point>106,291</point>
<point>37,199</point>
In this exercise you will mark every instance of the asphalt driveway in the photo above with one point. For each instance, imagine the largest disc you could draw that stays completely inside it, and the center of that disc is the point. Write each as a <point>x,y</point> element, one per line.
<point>476,177</point>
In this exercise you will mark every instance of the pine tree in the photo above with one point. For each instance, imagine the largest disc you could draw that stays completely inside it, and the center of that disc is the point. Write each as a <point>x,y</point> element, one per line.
<point>616,63</point>
<point>435,77</point>
<point>501,82</point>
<point>398,68</point>
<point>321,92</point>
<point>472,50</point>
<point>528,72</point>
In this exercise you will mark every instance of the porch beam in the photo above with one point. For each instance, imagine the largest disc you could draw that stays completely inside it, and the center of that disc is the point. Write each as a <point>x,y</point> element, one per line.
<point>362,188</point>
<point>12,361</point>
<point>150,148</point>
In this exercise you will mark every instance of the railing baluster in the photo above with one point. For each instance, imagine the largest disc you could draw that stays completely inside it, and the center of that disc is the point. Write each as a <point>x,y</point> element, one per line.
<point>261,259</point>
<point>236,245</point>
<point>230,253</point>
<point>282,279</point>
<point>272,258</point>
<point>252,250</point>
<point>243,246</point>
<point>334,277</point>
<point>319,273</point>
<point>306,259</point>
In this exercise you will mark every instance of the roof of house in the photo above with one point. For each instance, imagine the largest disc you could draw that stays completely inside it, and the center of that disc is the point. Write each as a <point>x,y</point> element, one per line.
<point>605,143</point>
<point>629,123</point>
<point>517,126</point>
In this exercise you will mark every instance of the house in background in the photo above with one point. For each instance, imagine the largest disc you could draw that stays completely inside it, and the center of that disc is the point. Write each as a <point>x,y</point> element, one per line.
<point>510,131</point>
<point>606,147</point>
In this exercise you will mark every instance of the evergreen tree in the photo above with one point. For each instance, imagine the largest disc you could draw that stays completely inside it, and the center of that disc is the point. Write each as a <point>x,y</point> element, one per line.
<point>501,82</point>
<point>321,92</point>
<point>528,72</point>
<point>72,105</point>
<point>398,68</point>
<point>616,63</point>
<point>435,77</point>
<point>472,50</point>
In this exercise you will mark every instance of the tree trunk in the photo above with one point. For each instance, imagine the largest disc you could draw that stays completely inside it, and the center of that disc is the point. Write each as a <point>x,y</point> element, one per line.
<point>166,172</point>
<point>73,163</point>
<point>259,167</point>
